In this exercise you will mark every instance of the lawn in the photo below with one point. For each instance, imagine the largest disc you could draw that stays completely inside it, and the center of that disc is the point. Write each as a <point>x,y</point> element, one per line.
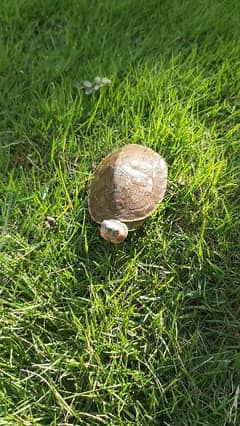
<point>146,332</point>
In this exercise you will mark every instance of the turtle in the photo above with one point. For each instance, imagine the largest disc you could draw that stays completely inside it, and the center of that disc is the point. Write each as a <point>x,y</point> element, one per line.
<point>126,188</point>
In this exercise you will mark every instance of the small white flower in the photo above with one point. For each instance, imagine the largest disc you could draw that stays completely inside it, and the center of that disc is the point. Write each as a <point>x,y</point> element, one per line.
<point>106,81</point>
<point>97,83</point>
<point>88,91</point>
<point>87,84</point>
<point>98,80</point>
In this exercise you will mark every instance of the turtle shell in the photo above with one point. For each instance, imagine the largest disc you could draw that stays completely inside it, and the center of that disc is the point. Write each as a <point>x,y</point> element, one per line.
<point>128,185</point>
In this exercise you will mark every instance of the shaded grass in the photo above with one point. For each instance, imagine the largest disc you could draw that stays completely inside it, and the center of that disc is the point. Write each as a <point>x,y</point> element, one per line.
<point>146,332</point>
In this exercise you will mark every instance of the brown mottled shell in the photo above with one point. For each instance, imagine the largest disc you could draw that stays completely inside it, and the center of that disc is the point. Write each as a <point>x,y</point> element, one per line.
<point>128,185</point>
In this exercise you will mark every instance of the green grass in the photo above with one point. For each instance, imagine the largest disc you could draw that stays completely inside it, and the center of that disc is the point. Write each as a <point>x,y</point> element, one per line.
<point>147,332</point>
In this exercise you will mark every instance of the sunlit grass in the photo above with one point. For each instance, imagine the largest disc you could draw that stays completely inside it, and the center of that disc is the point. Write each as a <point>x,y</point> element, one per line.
<point>145,333</point>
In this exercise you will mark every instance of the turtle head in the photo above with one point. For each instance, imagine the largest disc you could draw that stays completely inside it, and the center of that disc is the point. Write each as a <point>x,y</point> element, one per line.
<point>113,230</point>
